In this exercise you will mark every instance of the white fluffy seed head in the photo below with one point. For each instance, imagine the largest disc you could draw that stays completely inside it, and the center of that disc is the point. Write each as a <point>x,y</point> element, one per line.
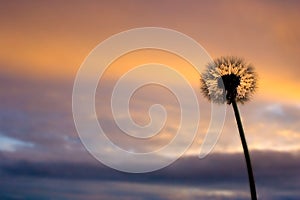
<point>226,66</point>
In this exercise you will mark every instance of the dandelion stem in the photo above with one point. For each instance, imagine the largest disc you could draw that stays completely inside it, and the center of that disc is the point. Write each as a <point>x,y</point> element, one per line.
<point>246,152</point>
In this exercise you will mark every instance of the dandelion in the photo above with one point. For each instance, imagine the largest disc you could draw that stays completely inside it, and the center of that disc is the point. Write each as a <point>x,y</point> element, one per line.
<point>231,80</point>
<point>227,79</point>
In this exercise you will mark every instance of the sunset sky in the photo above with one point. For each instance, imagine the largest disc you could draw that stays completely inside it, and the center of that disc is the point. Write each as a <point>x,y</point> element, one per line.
<point>44,43</point>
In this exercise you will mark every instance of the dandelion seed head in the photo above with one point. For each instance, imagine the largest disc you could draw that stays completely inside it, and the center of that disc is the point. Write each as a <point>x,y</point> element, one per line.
<point>227,79</point>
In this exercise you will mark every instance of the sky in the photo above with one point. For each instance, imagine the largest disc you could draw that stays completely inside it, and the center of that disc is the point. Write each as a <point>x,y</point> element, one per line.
<point>44,43</point>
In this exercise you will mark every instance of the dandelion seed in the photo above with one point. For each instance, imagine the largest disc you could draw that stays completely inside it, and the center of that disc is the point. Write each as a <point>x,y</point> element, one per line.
<point>228,78</point>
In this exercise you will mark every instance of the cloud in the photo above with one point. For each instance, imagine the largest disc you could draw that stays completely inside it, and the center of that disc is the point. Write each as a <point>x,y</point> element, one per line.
<point>275,172</point>
<point>269,167</point>
<point>286,114</point>
<point>74,189</point>
<point>39,112</point>
<point>11,144</point>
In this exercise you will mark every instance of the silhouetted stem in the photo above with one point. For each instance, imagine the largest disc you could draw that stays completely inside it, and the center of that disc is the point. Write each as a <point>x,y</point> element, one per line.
<point>246,152</point>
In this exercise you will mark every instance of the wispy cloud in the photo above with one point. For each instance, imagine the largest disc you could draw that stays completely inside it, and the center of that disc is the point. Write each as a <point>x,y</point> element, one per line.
<point>12,144</point>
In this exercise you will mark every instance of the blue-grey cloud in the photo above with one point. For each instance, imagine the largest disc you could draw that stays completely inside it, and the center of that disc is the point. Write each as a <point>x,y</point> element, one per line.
<point>274,172</point>
<point>269,167</point>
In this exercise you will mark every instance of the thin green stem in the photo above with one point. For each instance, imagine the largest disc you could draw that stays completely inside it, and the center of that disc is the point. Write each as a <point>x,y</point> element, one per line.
<point>246,152</point>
